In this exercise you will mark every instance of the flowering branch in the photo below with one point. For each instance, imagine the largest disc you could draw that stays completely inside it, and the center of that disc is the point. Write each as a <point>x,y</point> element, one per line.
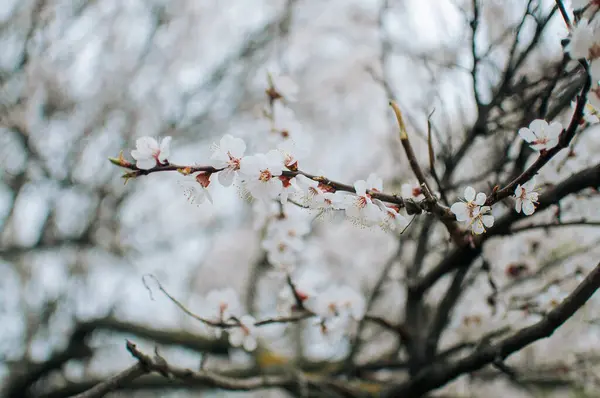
<point>411,206</point>
<point>463,256</point>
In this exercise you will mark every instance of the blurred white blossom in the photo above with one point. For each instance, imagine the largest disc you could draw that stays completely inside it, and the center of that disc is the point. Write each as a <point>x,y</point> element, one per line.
<point>245,334</point>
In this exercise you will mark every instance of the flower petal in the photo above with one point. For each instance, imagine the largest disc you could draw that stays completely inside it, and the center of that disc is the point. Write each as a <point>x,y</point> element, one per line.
<point>539,127</point>
<point>237,147</point>
<point>480,198</point>
<point>528,207</point>
<point>236,336</point>
<point>460,210</point>
<point>145,163</point>
<point>527,134</point>
<point>488,220</point>
<point>469,194</point>
<point>360,187</point>
<point>250,343</point>
<point>477,227</point>
<point>165,148</point>
<point>226,177</point>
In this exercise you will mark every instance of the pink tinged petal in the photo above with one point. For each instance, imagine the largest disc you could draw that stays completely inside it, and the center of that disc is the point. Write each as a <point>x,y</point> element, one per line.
<point>146,164</point>
<point>528,207</point>
<point>488,221</point>
<point>527,134</point>
<point>518,204</point>
<point>226,177</point>
<point>480,199</point>
<point>469,194</point>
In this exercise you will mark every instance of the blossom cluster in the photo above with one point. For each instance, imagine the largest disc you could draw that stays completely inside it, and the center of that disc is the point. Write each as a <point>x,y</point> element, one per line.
<point>284,241</point>
<point>275,177</point>
<point>334,309</point>
<point>472,211</point>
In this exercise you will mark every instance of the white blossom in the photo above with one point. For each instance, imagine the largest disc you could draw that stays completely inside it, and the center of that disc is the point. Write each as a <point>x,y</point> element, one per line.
<point>473,212</point>
<point>540,135</point>
<point>149,152</point>
<point>338,303</point>
<point>197,191</point>
<point>220,305</point>
<point>244,334</point>
<point>292,152</point>
<point>282,253</point>
<point>526,197</point>
<point>228,155</point>
<point>412,190</point>
<point>392,218</point>
<point>360,206</point>
<point>481,221</point>
<point>260,174</point>
<point>308,281</point>
<point>314,195</point>
<point>283,241</point>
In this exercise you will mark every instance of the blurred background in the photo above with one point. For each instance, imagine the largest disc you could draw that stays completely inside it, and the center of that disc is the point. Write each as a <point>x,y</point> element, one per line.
<point>81,80</point>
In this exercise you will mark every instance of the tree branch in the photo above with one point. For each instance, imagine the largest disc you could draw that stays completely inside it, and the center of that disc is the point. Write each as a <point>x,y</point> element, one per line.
<point>439,374</point>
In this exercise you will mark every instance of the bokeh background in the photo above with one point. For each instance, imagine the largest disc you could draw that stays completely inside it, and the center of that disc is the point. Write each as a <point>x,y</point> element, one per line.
<point>81,80</point>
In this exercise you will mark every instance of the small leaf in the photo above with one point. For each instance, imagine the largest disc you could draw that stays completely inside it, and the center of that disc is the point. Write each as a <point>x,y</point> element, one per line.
<point>401,125</point>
